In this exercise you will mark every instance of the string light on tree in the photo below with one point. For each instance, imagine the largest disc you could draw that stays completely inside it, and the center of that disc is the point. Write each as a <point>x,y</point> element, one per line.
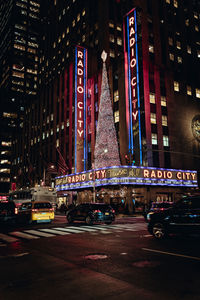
<point>106,148</point>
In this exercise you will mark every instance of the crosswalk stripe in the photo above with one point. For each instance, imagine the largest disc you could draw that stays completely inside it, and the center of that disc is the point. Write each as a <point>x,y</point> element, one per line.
<point>24,235</point>
<point>71,229</point>
<point>84,228</point>
<point>53,231</point>
<point>100,227</point>
<point>35,232</point>
<point>62,229</point>
<point>7,238</point>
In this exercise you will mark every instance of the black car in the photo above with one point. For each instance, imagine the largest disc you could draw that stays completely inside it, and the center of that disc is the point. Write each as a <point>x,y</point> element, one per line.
<point>157,206</point>
<point>182,218</point>
<point>8,212</point>
<point>91,212</point>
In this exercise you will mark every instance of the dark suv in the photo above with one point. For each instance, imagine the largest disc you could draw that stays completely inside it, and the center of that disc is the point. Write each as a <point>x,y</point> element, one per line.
<point>91,212</point>
<point>8,212</point>
<point>182,218</point>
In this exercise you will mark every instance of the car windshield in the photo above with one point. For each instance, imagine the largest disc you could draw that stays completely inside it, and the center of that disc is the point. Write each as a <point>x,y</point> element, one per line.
<point>6,205</point>
<point>42,205</point>
<point>102,207</point>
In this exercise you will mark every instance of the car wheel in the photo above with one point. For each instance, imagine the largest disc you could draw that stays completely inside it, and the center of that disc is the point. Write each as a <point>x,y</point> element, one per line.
<point>108,223</point>
<point>159,231</point>
<point>88,220</point>
<point>69,219</point>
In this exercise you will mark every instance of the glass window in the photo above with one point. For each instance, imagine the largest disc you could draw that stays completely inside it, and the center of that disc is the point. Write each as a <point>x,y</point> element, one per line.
<point>153,118</point>
<point>112,53</point>
<point>151,48</point>
<point>198,93</point>
<point>116,116</point>
<point>119,41</point>
<point>116,96</point>
<point>170,39</point>
<point>196,27</point>
<point>179,59</point>
<point>187,22</point>
<point>165,141</point>
<point>163,101</point>
<point>189,50</point>
<point>164,120</point>
<point>198,53</point>
<point>112,38</point>
<point>178,45</point>
<point>176,86</point>
<point>171,56</point>
<point>167,1</point>
<point>154,138</point>
<point>176,3</point>
<point>189,90</point>
<point>152,98</point>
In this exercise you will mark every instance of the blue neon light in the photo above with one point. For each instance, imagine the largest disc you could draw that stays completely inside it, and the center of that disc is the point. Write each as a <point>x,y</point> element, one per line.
<point>129,88</point>
<point>85,125</point>
<point>138,89</point>
<point>75,139</point>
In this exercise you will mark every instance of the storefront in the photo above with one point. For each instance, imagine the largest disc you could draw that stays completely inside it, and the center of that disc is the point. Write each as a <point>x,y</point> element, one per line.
<point>126,187</point>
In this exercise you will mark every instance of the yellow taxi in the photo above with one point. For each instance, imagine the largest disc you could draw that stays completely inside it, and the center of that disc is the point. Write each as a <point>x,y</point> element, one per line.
<point>36,211</point>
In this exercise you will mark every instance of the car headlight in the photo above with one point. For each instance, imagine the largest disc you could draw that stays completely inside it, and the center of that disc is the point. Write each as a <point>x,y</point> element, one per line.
<point>149,216</point>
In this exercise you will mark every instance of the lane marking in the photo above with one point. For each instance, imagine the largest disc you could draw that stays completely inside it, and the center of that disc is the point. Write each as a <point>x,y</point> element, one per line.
<point>84,228</point>
<point>73,230</point>
<point>24,235</point>
<point>53,231</point>
<point>7,238</point>
<point>172,254</point>
<point>35,232</point>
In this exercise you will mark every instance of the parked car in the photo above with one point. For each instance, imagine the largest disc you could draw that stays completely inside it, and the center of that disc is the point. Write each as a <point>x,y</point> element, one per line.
<point>91,212</point>
<point>182,218</point>
<point>36,211</point>
<point>8,212</point>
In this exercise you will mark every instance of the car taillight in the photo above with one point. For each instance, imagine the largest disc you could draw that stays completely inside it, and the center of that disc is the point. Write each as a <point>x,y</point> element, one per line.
<point>112,210</point>
<point>34,209</point>
<point>51,209</point>
<point>96,211</point>
<point>16,210</point>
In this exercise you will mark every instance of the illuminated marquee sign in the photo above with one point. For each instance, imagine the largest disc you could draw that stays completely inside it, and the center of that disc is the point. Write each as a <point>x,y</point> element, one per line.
<point>127,175</point>
<point>80,109</point>
<point>132,83</point>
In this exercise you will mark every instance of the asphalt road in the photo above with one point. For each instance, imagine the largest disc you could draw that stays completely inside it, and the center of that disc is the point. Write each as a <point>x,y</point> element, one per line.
<point>121,261</point>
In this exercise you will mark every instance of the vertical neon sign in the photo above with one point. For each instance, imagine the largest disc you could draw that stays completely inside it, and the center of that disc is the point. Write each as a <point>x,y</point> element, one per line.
<point>80,144</point>
<point>133,118</point>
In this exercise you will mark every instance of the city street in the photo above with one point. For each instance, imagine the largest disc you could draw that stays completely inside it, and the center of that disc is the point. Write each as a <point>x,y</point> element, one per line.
<point>118,261</point>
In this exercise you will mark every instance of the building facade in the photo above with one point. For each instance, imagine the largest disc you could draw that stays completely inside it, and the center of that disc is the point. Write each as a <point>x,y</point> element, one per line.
<point>153,63</point>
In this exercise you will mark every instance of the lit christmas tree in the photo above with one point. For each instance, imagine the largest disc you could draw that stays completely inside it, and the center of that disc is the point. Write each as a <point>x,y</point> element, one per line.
<point>106,152</point>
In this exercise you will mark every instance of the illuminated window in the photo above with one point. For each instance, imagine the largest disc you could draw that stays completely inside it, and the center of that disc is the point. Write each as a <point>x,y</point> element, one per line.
<point>57,143</point>
<point>5,161</point>
<point>73,23</point>
<point>35,3</point>
<point>153,118</point>
<point>9,115</point>
<point>151,48</point>
<point>67,29</point>
<point>67,122</point>
<point>78,17</point>
<point>116,96</point>
<point>178,45</point>
<point>31,50</point>
<point>171,56</point>
<point>83,12</point>
<point>4,143</point>
<point>164,120</point>
<point>187,22</point>
<point>170,40</point>
<point>176,86</point>
<point>176,3</point>
<point>119,28</point>
<point>51,117</point>
<point>197,93</point>
<point>189,50</point>
<point>119,41</point>
<point>59,39</point>
<point>152,98</point>
<point>165,141</point>
<point>112,38</point>
<point>7,171</point>
<point>116,116</point>
<point>179,59</point>
<point>163,101</point>
<point>111,24</point>
<point>167,1</point>
<point>19,47</point>
<point>196,27</point>
<point>112,53</point>
<point>83,38</point>
<point>18,74</point>
<point>154,138</point>
<point>196,15</point>
<point>36,10</point>
<point>34,45</point>
<point>189,90</point>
